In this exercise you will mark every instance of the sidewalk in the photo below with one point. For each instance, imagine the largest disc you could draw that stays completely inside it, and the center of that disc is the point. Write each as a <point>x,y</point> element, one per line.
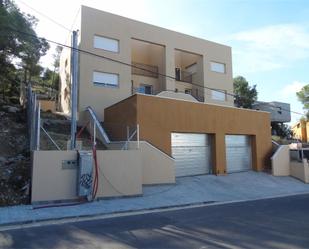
<point>186,191</point>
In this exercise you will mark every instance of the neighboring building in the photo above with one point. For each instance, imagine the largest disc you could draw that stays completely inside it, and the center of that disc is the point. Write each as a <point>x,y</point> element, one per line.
<point>301,131</point>
<point>279,112</point>
<point>183,117</point>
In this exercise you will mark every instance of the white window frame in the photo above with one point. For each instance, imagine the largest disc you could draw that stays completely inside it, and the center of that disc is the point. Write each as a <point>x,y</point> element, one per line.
<point>218,67</point>
<point>107,82</point>
<point>106,43</point>
<point>219,95</point>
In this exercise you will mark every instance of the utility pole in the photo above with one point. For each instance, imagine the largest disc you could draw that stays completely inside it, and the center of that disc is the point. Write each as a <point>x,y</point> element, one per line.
<point>74,75</point>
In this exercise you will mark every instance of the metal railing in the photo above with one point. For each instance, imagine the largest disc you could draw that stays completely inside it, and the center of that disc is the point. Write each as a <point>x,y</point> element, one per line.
<point>130,137</point>
<point>196,93</point>
<point>97,125</point>
<point>184,76</point>
<point>299,154</point>
<point>145,70</point>
<point>33,119</point>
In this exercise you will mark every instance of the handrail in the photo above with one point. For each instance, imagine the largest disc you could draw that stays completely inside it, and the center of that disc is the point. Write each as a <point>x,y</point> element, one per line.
<point>125,146</point>
<point>278,151</point>
<point>275,143</point>
<point>94,117</point>
<point>50,138</point>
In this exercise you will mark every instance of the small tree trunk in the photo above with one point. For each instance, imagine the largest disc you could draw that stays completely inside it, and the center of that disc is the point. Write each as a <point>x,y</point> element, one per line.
<point>3,91</point>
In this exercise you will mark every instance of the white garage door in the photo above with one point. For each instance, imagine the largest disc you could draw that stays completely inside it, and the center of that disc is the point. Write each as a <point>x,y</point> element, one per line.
<point>192,153</point>
<point>238,153</point>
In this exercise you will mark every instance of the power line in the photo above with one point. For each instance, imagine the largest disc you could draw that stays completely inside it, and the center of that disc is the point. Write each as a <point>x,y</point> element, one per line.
<point>131,65</point>
<point>75,18</point>
<point>47,17</point>
<point>73,23</point>
<point>147,70</point>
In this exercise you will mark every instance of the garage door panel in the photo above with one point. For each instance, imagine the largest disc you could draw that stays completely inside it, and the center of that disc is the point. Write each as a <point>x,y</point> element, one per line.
<point>189,139</point>
<point>191,153</point>
<point>236,140</point>
<point>238,153</point>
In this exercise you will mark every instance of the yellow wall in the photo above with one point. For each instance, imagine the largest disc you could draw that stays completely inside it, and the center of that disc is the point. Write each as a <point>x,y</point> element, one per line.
<point>49,181</point>
<point>158,167</point>
<point>119,171</point>
<point>159,117</point>
<point>48,105</point>
<point>300,131</point>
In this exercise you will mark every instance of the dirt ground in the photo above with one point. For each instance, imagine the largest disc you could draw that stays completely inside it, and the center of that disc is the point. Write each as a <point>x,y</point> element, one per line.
<point>15,166</point>
<point>14,156</point>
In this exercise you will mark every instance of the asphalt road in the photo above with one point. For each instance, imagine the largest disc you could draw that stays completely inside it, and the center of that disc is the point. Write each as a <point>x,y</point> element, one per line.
<point>273,223</point>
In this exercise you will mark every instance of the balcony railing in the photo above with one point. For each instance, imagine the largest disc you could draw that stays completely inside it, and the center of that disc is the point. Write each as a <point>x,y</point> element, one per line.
<point>197,94</point>
<point>145,70</point>
<point>183,76</point>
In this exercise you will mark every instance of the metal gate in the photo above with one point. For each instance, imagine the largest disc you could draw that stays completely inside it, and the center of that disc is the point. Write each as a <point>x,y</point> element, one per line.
<point>192,153</point>
<point>238,153</point>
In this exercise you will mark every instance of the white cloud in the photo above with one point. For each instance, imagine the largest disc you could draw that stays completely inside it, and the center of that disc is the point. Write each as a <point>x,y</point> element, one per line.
<point>269,48</point>
<point>291,89</point>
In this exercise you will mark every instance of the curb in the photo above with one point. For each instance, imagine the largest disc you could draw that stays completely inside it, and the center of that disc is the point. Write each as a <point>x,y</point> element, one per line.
<point>77,218</point>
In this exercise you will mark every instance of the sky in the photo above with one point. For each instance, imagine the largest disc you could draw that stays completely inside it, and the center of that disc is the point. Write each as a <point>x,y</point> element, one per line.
<point>269,38</point>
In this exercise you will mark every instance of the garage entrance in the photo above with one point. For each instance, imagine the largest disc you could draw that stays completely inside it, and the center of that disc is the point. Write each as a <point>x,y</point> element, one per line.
<point>238,153</point>
<point>192,153</point>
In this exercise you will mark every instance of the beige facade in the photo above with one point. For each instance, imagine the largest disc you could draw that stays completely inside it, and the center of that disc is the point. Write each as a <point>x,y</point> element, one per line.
<point>156,49</point>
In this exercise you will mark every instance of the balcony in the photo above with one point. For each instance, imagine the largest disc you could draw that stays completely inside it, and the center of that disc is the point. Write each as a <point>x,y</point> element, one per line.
<point>184,76</point>
<point>145,70</point>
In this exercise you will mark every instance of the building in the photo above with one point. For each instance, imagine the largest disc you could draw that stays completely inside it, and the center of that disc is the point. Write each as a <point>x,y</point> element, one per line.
<point>279,112</point>
<point>194,62</point>
<point>300,131</point>
<point>174,86</point>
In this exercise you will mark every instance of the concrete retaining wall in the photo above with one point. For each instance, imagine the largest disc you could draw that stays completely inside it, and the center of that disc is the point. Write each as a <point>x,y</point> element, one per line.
<point>121,172</point>
<point>280,161</point>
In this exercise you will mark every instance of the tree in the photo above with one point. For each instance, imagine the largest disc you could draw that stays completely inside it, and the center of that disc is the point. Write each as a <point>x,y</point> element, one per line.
<point>303,97</point>
<point>245,95</point>
<point>18,46</point>
<point>281,130</point>
<point>56,77</point>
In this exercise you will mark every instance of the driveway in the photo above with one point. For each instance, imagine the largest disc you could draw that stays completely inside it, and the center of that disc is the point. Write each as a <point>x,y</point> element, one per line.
<point>187,191</point>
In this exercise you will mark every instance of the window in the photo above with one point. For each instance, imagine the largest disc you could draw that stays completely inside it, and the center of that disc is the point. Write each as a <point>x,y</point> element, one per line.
<point>105,79</point>
<point>217,67</point>
<point>188,91</point>
<point>105,43</point>
<point>218,95</point>
<point>146,89</point>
